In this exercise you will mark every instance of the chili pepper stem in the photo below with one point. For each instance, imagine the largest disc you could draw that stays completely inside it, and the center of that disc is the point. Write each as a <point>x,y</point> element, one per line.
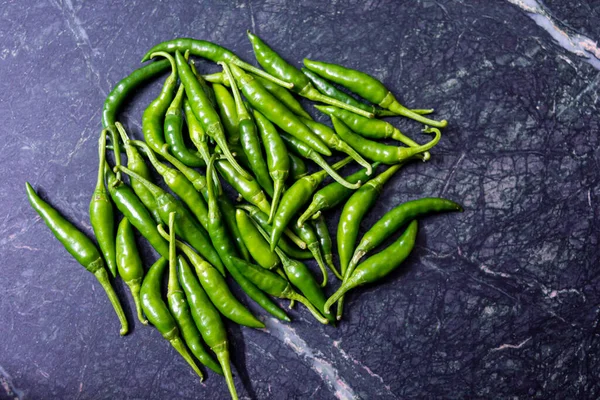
<point>116,152</point>
<point>313,94</point>
<point>343,289</point>
<point>316,251</point>
<point>331,265</point>
<point>405,112</point>
<point>331,172</point>
<point>308,213</point>
<point>423,148</point>
<point>135,293</point>
<point>178,344</point>
<point>294,238</point>
<point>344,147</point>
<point>223,357</point>
<point>387,113</point>
<point>261,73</point>
<point>301,299</point>
<point>340,308</point>
<point>102,277</point>
<point>277,191</point>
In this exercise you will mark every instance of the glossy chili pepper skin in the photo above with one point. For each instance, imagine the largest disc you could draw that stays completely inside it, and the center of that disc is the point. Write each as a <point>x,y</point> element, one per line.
<point>129,264</point>
<point>250,190</point>
<point>158,313</point>
<point>308,235</point>
<point>102,216</point>
<point>368,88</point>
<point>208,90</point>
<point>275,111</point>
<point>326,244</point>
<point>79,246</point>
<point>379,265</point>
<point>297,167</point>
<point>173,131</point>
<point>228,113</point>
<point>381,152</point>
<point>333,194</point>
<point>180,309</point>
<point>256,244</point>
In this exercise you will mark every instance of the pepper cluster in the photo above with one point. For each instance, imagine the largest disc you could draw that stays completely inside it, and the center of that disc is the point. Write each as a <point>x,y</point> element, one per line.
<point>259,147</point>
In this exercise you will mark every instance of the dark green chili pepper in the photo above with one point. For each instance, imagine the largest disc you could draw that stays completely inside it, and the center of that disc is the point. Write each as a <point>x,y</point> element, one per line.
<point>277,66</point>
<point>333,141</point>
<point>395,219</point>
<point>225,249</point>
<point>228,113</point>
<point>250,190</point>
<point>256,244</point>
<point>102,216</point>
<point>174,136</point>
<point>129,264</point>
<point>308,235</point>
<point>210,93</point>
<point>249,138</point>
<point>228,211</point>
<point>379,265</point>
<point>381,152</point>
<point>278,160</point>
<point>186,226</point>
<point>332,195</point>
<point>158,313</point>
<point>368,88</point>
<point>326,244</point>
<point>180,309</point>
<point>297,167</point>
<point>328,89</point>
<point>136,163</point>
<point>79,246</point>
<point>210,51</point>
<point>204,111</point>
<point>275,111</point>
<point>295,197</point>
<point>119,93</point>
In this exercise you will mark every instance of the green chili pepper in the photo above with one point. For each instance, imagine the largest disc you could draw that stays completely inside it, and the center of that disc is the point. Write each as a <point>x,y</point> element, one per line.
<point>379,265</point>
<point>250,190</point>
<point>256,244</point>
<point>158,313</point>
<point>102,216</point>
<point>381,152</point>
<point>210,93</point>
<point>326,244</point>
<point>228,113</point>
<point>129,264</point>
<point>294,198</point>
<point>79,246</point>
<point>185,226</point>
<point>210,51</point>
<point>332,195</point>
<point>368,88</point>
<point>275,111</point>
<point>308,235</point>
<point>297,167</point>
<point>276,65</point>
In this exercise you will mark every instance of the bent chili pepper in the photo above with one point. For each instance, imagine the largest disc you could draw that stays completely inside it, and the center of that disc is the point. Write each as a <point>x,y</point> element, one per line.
<point>158,313</point>
<point>102,216</point>
<point>309,236</point>
<point>210,93</point>
<point>298,168</point>
<point>256,244</point>
<point>250,190</point>
<point>368,88</point>
<point>379,265</point>
<point>326,244</point>
<point>79,246</point>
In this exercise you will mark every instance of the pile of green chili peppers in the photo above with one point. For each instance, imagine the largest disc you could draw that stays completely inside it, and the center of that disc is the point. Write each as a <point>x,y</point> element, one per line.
<point>247,129</point>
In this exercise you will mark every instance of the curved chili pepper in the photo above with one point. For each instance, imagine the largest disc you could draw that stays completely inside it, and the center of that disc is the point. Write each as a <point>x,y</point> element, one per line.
<point>326,244</point>
<point>332,195</point>
<point>278,160</point>
<point>129,264</point>
<point>204,111</point>
<point>256,244</point>
<point>228,113</point>
<point>173,127</point>
<point>158,313</point>
<point>275,111</point>
<point>79,246</point>
<point>212,52</point>
<point>368,88</point>
<point>119,93</point>
<point>210,93</point>
<point>276,65</point>
<point>102,216</point>
<point>294,198</point>
<point>297,167</point>
<point>308,235</point>
<point>249,138</point>
<point>379,265</point>
<point>250,190</point>
<point>180,309</point>
<point>381,152</point>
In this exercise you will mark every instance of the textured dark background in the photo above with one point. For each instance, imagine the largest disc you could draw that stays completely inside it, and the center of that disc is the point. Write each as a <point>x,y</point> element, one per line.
<point>500,301</point>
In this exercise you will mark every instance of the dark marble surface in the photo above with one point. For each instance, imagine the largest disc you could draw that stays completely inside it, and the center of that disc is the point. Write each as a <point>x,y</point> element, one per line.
<point>501,301</point>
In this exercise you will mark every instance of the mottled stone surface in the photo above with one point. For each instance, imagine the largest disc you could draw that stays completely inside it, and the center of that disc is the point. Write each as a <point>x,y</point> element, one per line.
<point>498,302</point>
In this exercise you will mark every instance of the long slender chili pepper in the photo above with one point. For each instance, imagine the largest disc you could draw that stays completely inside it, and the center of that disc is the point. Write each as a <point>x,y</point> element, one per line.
<point>297,167</point>
<point>210,93</point>
<point>216,287</point>
<point>308,234</point>
<point>212,52</point>
<point>228,113</point>
<point>204,111</point>
<point>249,138</point>
<point>250,190</point>
<point>225,249</point>
<point>381,152</point>
<point>332,195</point>
<point>326,244</point>
<point>102,216</point>
<point>129,264</point>
<point>368,88</point>
<point>278,160</point>
<point>379,265</point>
<point>294,198</point>
<point>173,133</point>
<point>275,111</point>
<point>186,225</point>
<point>119,93</point>
<point>79,246</point>
<point>180,309</point>
<point>256,244</point>
<point>158,313</point>
<point>276,65</point>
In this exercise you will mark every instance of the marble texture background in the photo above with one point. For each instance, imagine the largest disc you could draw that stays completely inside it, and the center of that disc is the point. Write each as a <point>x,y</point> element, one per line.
<point>501,301</point>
